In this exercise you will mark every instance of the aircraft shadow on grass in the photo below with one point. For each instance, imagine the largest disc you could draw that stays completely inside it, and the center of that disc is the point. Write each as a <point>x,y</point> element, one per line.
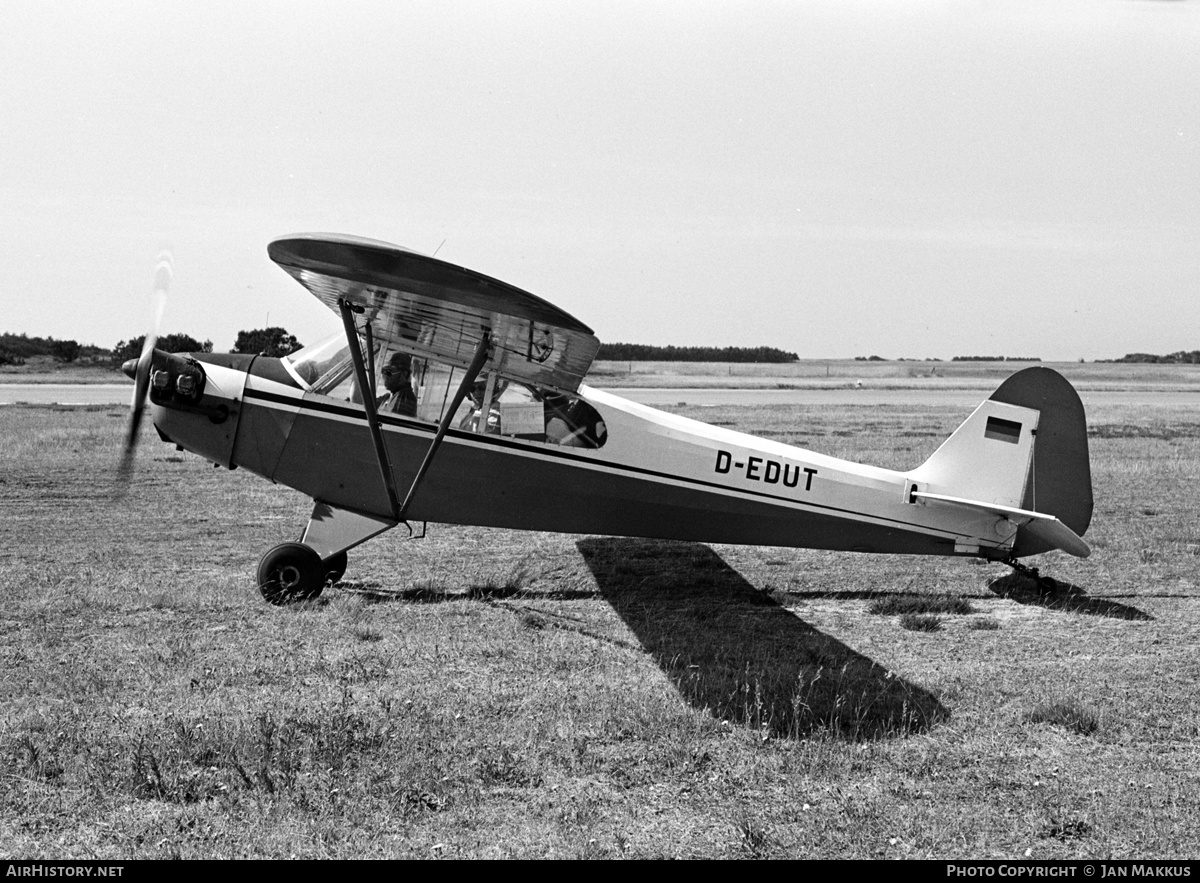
<point>1058,595</point>
<point>372,591</point>
<point>731,650</point>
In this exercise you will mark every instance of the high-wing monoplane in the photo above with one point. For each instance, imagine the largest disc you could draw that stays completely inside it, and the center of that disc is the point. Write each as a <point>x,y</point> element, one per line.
<point>452,397</point>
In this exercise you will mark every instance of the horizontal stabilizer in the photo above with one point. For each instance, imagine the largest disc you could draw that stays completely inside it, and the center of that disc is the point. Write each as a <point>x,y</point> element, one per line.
<point>1044,527</point>
<point>1060,536</point>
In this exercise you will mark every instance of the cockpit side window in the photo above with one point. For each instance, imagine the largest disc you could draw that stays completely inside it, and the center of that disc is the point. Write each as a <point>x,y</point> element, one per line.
<point>411,386</point>
<point>534,414</point>
<point>574,423</point>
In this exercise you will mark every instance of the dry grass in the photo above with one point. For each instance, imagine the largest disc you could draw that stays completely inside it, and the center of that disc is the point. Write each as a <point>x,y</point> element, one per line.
<point>47,369</point>
<point>491,694</point>
<point>818,373</point>
<point>920,622</point>
<point>1068,713</point>
<point>891,605</point>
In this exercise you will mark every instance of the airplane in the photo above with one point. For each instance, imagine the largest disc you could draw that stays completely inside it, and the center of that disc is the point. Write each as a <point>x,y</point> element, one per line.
<point>452,397</point>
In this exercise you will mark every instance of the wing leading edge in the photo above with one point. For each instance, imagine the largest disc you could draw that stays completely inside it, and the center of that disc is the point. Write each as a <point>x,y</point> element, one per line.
<point>438,310</point>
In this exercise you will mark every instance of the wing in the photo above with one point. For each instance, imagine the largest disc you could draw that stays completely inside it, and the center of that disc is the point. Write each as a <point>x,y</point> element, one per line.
<point>434,309</point>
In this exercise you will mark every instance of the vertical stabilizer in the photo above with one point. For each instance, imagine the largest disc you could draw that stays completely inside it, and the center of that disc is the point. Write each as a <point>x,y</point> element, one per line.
<point>1025,449</point>
<point>1060,477</point>
<point>986,459</point>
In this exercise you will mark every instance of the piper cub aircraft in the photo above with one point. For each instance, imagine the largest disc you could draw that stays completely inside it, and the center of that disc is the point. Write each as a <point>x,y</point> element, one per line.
<point>453,397</point>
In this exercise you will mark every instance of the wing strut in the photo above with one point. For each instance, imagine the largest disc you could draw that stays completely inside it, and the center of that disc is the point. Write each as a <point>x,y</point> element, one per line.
<point>371,359</point>
<point>364,383</point>
<point>481,355</point>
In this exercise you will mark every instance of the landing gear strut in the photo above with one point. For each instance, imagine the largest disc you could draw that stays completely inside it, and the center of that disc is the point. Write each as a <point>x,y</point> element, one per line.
<point>335,567</point>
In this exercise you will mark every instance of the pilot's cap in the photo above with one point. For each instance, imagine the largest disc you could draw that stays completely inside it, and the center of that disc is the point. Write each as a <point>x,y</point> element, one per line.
<point>397,363</point>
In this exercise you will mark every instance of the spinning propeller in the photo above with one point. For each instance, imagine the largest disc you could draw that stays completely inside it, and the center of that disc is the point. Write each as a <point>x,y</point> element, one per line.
<point>139,369</point>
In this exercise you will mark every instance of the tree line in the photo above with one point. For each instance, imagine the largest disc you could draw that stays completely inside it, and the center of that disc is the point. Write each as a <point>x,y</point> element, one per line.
<point>277,342</point>
<point>638,352</point>
<point>15,349</point>
<point>274,342</point>
<point>995,359</point>
<point>1183,357</point>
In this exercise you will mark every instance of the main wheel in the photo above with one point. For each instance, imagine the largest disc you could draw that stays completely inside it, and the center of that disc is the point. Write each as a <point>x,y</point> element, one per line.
<point>290,572</point>
<point>335,567</point>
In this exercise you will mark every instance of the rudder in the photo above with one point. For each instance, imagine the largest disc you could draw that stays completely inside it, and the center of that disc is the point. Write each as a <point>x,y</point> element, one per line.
<point>1060,474</point>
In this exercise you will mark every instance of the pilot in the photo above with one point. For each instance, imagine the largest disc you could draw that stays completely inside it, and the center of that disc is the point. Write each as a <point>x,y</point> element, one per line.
<point>397,379</point>
<point>475,397</point>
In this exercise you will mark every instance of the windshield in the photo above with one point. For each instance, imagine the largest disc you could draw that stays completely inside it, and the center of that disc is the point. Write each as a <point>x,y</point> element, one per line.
<point>309,364</point>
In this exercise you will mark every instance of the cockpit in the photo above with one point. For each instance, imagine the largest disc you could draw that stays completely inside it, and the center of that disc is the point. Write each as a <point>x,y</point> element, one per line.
<point>420,388</point>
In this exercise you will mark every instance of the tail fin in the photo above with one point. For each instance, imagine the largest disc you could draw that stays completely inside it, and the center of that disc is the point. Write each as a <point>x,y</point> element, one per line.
<point>1023,454</point>
<point>1060,477</point>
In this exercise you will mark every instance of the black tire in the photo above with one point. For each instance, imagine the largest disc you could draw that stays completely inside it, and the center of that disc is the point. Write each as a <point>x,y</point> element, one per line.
<point>335,567</point>
<point>290,572</point>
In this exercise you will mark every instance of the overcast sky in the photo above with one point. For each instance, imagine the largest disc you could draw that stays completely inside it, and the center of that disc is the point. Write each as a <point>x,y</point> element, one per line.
<point>909,179</point>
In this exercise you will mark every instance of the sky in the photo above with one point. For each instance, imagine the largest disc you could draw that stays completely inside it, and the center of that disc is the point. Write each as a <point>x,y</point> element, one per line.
<point>914,179</point>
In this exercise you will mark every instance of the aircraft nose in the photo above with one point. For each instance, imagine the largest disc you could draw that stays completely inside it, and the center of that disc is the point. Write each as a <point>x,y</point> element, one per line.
<point>130,369</point>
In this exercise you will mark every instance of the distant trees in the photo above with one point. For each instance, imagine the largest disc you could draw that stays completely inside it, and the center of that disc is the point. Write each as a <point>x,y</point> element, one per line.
<point>182,343</point>
<point>637,352</point>
<point>1182,357</point>
<point>64,350</point>
<point>169,343</point>
<point>22,346</point>
<point>17,348</point>
<point>995,359</point>
<point>274,342</point>
<point>128,349</point>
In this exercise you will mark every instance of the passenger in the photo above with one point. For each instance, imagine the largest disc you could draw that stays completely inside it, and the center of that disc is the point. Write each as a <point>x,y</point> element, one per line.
<point>397,379</point>
<point>474,402</point>
<point>573,423</point>
<point>559,429</point>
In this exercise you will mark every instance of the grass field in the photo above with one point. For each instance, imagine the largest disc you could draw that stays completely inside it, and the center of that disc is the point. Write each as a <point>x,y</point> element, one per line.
<point>899,374</point>
<point>46,369</point>
<point>484,693</point>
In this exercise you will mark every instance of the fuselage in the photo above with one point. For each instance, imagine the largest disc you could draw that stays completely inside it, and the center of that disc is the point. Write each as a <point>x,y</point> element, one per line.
<point>656,475</point>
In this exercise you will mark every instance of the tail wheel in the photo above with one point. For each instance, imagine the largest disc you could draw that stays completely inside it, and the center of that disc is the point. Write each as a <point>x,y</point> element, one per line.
<point>335,567</point>
<point>290,572</point>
